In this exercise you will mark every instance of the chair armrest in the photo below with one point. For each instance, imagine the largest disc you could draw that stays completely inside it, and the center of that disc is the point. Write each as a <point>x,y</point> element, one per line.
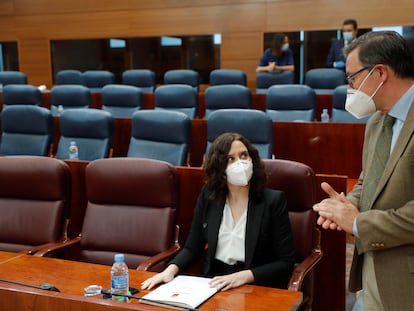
<point>51,248</point>
<point>152,261</point>
<point>167,254</point>
<point>302,269</point>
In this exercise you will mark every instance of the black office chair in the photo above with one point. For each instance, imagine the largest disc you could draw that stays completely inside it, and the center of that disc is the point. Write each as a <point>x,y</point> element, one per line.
<point>21,94</point>
<point>68,76</point>
<point>324,80</point>
<point>182,76</point>
<point>69,96</point>
<point>12,77</point>
<point>264,80</point>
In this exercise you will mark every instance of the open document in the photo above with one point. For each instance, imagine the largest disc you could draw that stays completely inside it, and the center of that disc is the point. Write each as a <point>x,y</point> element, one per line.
<point>183,292</point>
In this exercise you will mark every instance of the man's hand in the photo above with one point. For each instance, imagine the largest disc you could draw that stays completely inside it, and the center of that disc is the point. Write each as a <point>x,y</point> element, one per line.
<point>336,212</point>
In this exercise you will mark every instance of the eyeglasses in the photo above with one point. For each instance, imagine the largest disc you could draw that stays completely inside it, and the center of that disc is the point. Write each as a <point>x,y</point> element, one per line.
<point>350,78</point>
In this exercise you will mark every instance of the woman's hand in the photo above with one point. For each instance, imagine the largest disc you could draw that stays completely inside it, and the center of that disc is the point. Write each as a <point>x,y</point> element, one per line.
<point>233,280</point>
<point>162,277</point>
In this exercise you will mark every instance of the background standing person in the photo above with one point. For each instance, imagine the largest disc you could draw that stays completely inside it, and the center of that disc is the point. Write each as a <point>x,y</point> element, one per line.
<point>277,58</point>
<point>245,225</point>
<point>379,211</point>
<point>336,56</point>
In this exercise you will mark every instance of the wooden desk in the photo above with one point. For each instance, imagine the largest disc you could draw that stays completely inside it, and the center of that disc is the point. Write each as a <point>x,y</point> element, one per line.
<point>72,277</point>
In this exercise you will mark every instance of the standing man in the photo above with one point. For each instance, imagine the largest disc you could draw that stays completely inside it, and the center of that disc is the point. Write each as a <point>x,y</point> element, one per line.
<point>336,57</point>
<point>379,211</point>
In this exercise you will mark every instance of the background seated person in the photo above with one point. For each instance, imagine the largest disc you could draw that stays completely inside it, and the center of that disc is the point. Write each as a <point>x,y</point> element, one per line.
<point>245,225</point>
<point>336,56</point>
<point>277,58</point>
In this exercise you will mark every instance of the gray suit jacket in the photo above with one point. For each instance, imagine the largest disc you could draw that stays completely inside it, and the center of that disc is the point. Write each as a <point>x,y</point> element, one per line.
<point>269,249</point>
<point>387,229</point>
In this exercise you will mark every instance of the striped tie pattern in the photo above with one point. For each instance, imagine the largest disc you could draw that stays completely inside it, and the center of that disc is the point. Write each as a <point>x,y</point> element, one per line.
<point>379,160</point>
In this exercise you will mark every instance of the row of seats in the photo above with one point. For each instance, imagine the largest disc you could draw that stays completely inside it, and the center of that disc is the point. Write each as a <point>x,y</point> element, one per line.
<point>322,80</point>
<point>287,102</point>
<point>131,207</point>
<point>156,134</point>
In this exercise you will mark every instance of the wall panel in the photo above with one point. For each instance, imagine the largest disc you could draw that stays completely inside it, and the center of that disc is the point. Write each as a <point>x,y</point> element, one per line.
<point>26,21</point>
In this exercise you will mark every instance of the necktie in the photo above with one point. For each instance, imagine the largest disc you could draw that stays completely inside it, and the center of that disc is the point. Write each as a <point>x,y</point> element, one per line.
<point>375,170</point>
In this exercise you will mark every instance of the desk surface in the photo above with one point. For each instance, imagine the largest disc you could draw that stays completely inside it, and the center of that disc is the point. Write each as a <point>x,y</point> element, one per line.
<point>71,277</point>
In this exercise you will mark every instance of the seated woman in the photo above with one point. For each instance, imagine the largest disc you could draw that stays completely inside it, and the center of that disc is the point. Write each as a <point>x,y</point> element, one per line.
<point>277,58</point>
<point>245,225</point>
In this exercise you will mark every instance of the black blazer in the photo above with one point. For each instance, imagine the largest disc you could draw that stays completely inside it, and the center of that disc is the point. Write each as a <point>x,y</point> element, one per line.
<point>268,245</point>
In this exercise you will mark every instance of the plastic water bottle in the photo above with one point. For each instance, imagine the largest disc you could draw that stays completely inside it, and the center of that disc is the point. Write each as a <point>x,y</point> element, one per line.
<point>325,115</point>
<point>73,151</point>
<point>119,278</point>
<point>59,110</point>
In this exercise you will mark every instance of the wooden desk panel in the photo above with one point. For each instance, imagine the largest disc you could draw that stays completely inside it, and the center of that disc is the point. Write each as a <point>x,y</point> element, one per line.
<point>71,277</point>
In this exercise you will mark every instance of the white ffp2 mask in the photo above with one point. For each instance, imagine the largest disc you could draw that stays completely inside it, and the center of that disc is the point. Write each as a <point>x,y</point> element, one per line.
<point>239,172</point>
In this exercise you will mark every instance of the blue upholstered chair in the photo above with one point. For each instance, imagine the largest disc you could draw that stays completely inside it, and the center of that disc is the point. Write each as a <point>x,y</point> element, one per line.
<point>291,102</point>
<point>70,96</point>
<point>160,135</point>
<point>339,114</point>
<point>68,76</point>
<point>324,80</point>
<point>228,76</point>
<point>21,94</point>
<point>95,80</point>
<point>122,100</point>
<point>12,77</point>
<point>227,97</point>
<point>182,76</point>
<point>142,78</point>
<point>177,97</point>
<point>92,129</point>
<point>26,130</point>
<point>253,124</point>
<point>264,80</point>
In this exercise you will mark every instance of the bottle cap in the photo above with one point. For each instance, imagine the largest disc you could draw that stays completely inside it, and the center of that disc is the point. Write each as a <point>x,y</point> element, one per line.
<point>119,257</point>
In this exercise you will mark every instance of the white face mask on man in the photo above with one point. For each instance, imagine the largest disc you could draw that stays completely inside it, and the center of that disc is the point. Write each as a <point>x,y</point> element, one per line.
<point>358,103</point>
<point>240,172</point>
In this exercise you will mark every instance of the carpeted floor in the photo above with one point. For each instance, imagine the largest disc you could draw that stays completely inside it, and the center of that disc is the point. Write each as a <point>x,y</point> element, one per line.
<point>350,297</point>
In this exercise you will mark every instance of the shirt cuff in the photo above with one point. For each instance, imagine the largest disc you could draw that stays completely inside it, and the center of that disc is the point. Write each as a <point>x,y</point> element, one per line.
<point>355,228</point>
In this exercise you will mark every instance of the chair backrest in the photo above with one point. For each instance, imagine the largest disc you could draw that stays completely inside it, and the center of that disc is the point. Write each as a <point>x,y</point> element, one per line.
<point>264,80</point>
<point>291,102</point>
<point>255,125</point>
<point>227,97</point>
<point>298,181</point>
<point>182,76</point>
<point>160,135</point>
<point>97,79</point>
<point>177,97</point>
<point>131,209</point>
<point>34,201</point>
<point>228,76</point>
<point>122,100</point>
<point>12,77</point>
<point>92,129</point>
<point>21,94</point>
<point>26,130</point>
<point>68,76</point>
<point>70,96</point>
<point>325,80</point>
<point>142,78</point>
<point>339,114</point>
